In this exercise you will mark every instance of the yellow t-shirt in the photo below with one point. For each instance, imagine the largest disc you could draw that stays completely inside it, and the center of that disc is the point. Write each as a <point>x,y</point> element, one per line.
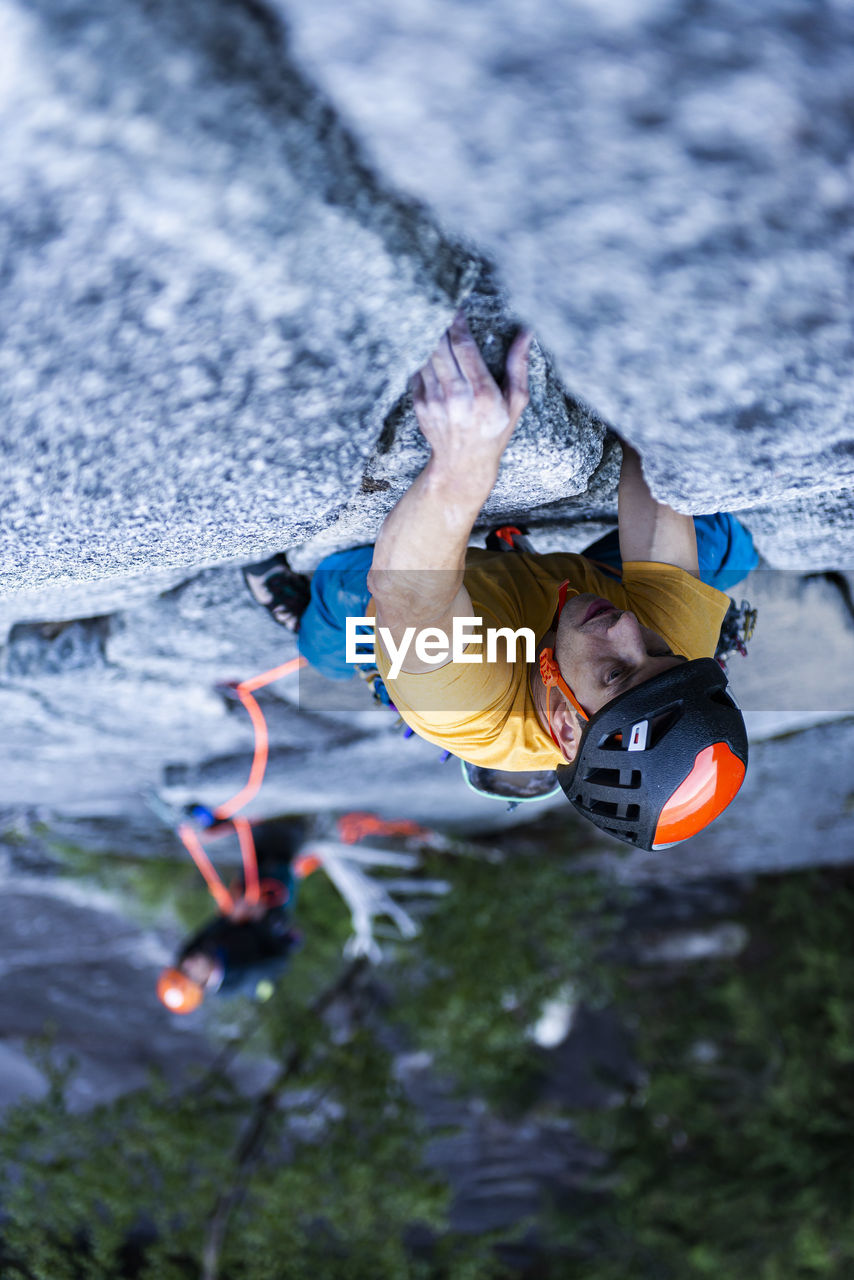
<point>484,712</point>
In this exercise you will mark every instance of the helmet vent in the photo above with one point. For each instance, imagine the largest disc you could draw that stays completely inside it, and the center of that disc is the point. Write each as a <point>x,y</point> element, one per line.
<point>722,698</point>
<point>657,726</point>
<point>609,809</point>
<point>662,724</point>
<point>613,777</point>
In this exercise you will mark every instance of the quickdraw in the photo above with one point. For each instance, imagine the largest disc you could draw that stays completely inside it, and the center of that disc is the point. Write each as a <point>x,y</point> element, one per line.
<point>737,631</point>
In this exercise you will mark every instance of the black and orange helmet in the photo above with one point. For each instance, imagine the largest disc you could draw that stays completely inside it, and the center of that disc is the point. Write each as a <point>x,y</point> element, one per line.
<point>179,992</point>
<point>660,762</point>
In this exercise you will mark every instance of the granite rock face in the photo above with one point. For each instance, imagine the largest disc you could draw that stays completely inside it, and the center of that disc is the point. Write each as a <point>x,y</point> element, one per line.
<point>211,306</point>
<point>667,191</point>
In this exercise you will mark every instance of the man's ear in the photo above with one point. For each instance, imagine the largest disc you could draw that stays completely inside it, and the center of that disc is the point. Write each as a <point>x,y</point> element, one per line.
<point>566,725</point>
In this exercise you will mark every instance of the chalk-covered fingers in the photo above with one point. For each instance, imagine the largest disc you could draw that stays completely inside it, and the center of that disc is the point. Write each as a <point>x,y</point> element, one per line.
<point>451,379</point>
<point>467,355</point>
<point>430,382</point>
<point>515,387</point>
<point>464,415</point>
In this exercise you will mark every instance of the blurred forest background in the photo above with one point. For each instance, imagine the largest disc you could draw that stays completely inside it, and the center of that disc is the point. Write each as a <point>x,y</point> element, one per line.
<point>716,1138</point>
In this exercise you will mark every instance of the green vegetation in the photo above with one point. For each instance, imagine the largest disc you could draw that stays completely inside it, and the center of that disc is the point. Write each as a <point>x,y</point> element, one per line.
<point>323,1168</point>
<point>149,886</point>
<point>733,1160</point>
<point>737,1158</point>
<point>510,936</point>
<point>181,1173</point>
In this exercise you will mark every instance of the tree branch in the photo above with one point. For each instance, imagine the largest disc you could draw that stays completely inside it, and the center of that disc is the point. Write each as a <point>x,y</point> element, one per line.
<point>249,1147</point>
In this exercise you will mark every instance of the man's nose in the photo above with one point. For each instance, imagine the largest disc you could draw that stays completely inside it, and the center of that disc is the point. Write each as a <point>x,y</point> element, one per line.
<point>626,632</point>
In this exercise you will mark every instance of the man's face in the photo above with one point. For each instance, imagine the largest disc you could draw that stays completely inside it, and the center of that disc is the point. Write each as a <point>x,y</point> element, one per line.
<point>602,651</point>
<point>197,966</point>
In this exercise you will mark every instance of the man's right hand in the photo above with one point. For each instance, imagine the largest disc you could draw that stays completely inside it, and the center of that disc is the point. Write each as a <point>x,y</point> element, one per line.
<point>466,418</point>
<point>416,577</point>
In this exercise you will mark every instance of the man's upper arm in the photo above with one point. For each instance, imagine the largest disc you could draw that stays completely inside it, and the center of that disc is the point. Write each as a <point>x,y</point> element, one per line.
<point>651,530</point>
<point>397,614</point>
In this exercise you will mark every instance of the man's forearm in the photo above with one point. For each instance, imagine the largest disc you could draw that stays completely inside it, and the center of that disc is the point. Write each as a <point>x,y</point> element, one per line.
<point>417,574</point>
<point>419,557</point>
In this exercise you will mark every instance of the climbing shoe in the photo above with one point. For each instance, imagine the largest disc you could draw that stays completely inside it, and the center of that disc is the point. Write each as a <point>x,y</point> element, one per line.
<point>274,585</point>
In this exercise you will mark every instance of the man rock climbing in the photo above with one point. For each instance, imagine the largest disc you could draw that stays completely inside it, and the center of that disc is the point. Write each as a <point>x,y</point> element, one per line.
<point>623,696</point>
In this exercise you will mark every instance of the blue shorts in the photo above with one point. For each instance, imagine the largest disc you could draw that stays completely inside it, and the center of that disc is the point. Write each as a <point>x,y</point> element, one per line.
<point>339,588</point>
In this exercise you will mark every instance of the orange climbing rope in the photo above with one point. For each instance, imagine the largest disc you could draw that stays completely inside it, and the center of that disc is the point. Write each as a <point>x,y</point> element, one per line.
<point>244,692</point>
<point>353,827</point>
<point>195,848</point>
<point>225,812</point>
<point>251,884</point>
